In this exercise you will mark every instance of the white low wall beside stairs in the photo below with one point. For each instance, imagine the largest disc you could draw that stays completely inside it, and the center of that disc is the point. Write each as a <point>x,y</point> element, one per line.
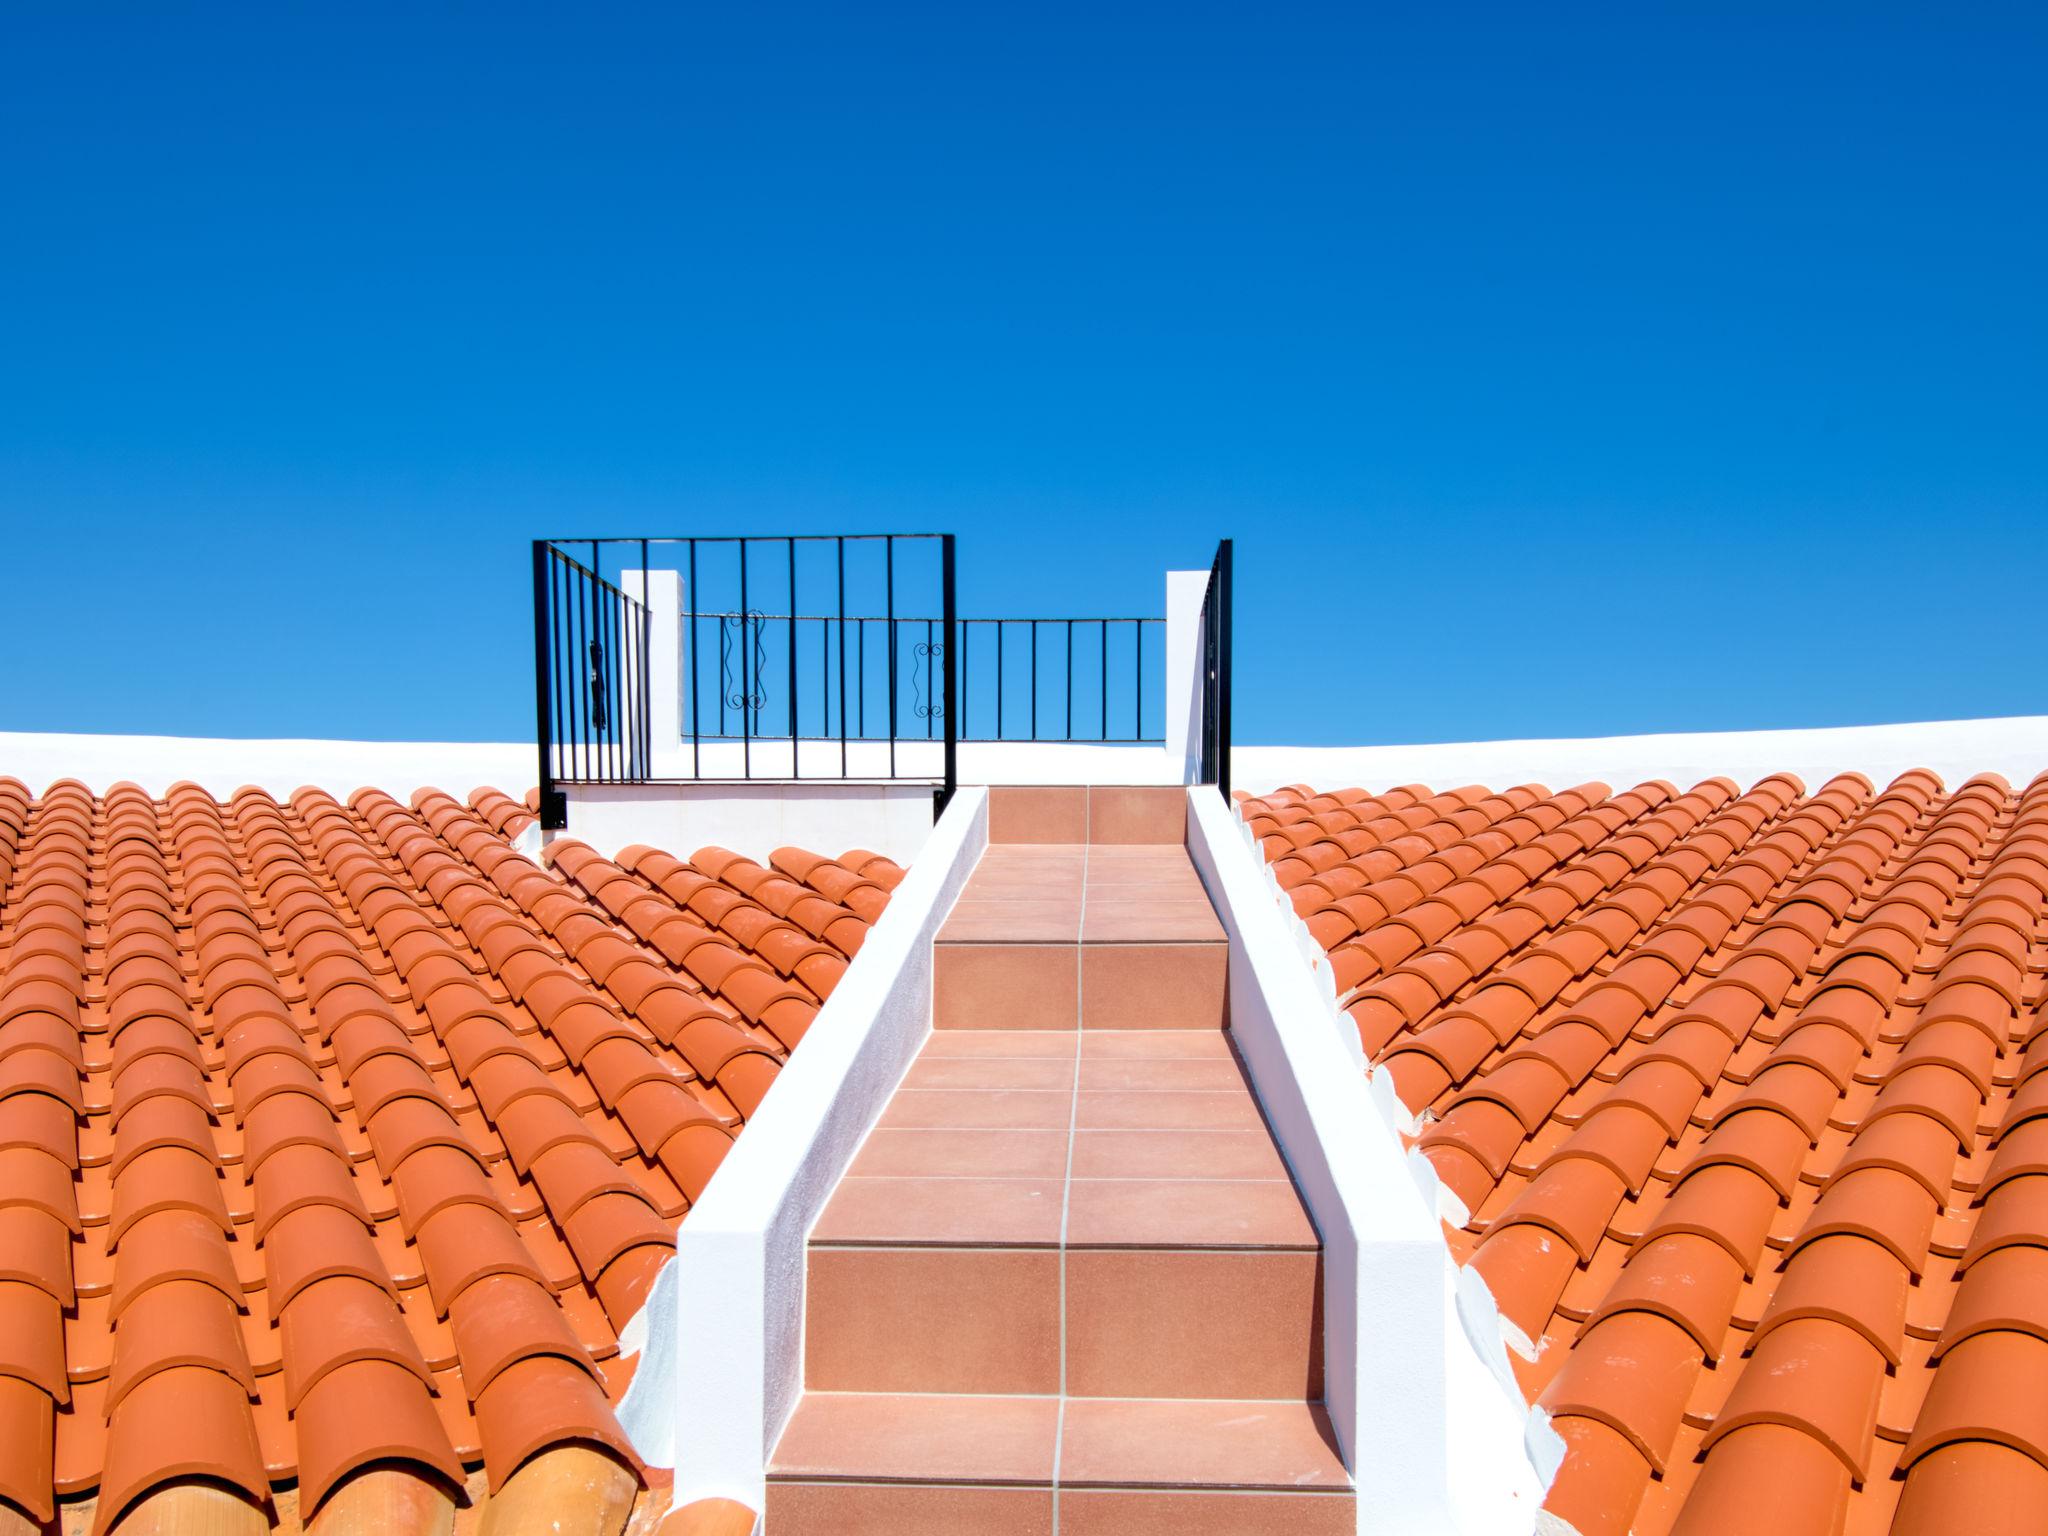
<point>722,1343</point>
<point>1434,1442</point>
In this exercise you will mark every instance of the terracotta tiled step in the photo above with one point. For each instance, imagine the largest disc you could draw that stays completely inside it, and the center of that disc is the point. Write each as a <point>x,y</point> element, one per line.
<point>1067,935</point>
<point>1104,814</point>
<point>1116,1190</point>
<point>856,1462</point>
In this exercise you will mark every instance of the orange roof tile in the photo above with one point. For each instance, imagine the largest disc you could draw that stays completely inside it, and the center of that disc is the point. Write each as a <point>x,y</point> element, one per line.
<point>335,1135</point>
<point>1745,1097</point>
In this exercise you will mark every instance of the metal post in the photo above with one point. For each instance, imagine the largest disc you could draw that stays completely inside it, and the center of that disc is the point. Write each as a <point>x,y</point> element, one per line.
<point>690,650</point>
<point>553,807</point>
<point>1223,672</point>
<point>952,700</point>
<point>796,770</point>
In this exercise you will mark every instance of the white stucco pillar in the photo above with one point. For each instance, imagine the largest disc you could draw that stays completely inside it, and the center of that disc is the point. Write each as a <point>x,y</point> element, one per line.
<point>1184,593</point>
<point>667,670</point>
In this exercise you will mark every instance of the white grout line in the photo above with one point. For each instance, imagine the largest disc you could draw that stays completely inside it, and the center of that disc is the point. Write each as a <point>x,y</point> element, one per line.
<point>1059,1435</point>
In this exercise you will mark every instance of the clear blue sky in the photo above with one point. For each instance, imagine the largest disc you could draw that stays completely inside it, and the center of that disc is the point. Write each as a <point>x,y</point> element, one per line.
<point>1559,369</point>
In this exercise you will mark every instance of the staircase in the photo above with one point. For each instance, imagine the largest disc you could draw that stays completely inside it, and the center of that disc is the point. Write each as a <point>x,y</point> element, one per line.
<point>1066,1286</point>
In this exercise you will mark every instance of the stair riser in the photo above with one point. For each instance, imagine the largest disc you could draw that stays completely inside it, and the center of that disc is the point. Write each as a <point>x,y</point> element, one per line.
<point>1087,986</point>
<point>1140,1323</point>
<point>947,1509</point>
<point>1194,1324</point>
<point>933,1320</point>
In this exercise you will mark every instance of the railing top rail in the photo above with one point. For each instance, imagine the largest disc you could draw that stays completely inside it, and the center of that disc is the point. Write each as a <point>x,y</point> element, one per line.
<point>740,538</point>
<point>585,571</point>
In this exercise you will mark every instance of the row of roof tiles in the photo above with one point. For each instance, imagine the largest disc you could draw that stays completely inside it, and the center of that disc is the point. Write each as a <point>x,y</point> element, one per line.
<point>1742,1098</point>
<point>334,1135</point>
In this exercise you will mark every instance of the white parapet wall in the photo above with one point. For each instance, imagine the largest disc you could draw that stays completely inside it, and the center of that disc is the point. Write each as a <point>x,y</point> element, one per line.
<point>220,765</point>
<point>1435,1442</point>
<point>2016,747</point>
<point>714,1409</point>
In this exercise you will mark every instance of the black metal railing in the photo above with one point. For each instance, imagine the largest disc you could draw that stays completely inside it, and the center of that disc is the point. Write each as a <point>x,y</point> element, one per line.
<point>823,658</point>
<point>1060,679</point>
<point>1215,721</point>
<point>798,657</point>
<point>591,671</point>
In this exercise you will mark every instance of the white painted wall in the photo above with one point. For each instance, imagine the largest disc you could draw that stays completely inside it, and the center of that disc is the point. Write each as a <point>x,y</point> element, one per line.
<point>661,592</point>
<point>740,1255</point>
<point>1184,593</point>
<point>754,819</point>
<point>1434,1443</point>
<point>221,765</point>
<point>2016,747</point>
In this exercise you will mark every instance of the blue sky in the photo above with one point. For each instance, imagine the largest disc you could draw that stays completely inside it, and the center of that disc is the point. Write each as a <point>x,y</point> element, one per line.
<point>1559,369</point>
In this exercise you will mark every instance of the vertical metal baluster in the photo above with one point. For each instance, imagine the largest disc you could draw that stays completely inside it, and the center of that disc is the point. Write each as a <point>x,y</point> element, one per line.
<point>1034,679</point>
<point>1102,644</point>
<point>696,731</point>
<point>746,677</point>
<point>999,679</point>
<point>842,661</point>
<point>542,682</point>
<point>646,666</point>
<point>889,566</point>
<point>1070,679</point>
<point>931,667</point>
<point>796,770</point>
<point>950,701</point>
<point>1138,732</point>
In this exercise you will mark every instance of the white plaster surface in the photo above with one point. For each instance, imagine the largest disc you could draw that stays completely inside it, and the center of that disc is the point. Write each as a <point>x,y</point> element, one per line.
<point>1433,1443</point>
<point>221,765</point>
<point>1184,593</point>
<point>739,1265</point>
<point>754,819</point>
<point>2015,746</point>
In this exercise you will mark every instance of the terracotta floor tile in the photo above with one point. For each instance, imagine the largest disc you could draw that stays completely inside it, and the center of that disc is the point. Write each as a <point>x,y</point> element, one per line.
<point>888,1437</point>
<point>1155,1322</point>
<point>1176,1155</point>
<point>1021,1109</point>
<point>1190,1212</point>
<point>897,1509</point>
<point>1005,986</point>
<point>1154,1074</point>
<point>983,1320</point>
<point>1171,857</point>
<point>1156,1044</point>
<point>1043,1072</point>
<point>1165,1512</point>
<point>1020,1212</point>
<point>963,1154</point>
<point>1204,1444</point>
<point>1037,814</point>
<point>1165,1110</point>
<point>1153,986</point>
<point>951,1044</point>
<point>1030,920</point>
<point>1149,922</point>
<point>1137,814</point>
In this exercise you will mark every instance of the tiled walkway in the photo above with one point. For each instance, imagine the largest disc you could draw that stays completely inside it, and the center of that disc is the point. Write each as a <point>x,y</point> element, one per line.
<point>1067,1284</point>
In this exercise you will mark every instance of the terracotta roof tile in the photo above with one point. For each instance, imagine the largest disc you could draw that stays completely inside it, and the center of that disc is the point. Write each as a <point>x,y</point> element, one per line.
<point>1742,1095</point>
<point>345,1136</point>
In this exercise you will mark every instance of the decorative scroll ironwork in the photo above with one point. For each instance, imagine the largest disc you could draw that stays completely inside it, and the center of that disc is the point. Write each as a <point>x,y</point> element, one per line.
<point>927,652</point>
<point>600,691</point>
<point>738,629</point>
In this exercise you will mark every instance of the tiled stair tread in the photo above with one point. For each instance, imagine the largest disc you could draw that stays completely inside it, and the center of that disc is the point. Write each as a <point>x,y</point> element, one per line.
<point>1103,1442</point>
<point>1013,1292</point>
<point>1085,1137</point>
<point>1074,893</point>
